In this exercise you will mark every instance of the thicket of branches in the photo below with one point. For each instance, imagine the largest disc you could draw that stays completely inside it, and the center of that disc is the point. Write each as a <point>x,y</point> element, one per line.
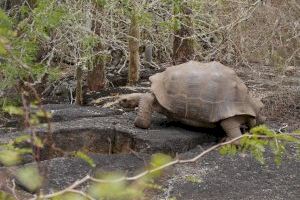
<point>93,33</point>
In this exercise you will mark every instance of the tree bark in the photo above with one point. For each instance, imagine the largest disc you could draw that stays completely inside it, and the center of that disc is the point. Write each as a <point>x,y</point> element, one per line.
<point>134,57</point>
<point>79,96</point>
<point>183,44</point>
<point>148,55</point>
<point>96,78</point>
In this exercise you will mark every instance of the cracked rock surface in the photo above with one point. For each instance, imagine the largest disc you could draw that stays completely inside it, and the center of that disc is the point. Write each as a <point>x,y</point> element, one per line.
<point>115,144</point>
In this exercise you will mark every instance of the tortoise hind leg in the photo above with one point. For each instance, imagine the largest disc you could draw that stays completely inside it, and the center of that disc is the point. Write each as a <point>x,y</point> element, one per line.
<point>143,119</point>
<point>232,127</point>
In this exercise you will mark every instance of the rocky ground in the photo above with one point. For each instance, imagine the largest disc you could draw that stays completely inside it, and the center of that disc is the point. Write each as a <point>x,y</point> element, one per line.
<point>114,143</point>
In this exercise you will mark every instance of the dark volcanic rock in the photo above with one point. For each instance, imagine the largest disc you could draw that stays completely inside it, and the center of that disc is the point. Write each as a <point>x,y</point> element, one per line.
<point>217,177</point>
<point>116,134</point>
<point>61,172</point>
<point>67,112</point>
<point>115,144</point>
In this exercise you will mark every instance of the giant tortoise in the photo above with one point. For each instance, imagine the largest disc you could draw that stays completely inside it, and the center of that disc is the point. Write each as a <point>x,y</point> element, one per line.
<point>197,94</point>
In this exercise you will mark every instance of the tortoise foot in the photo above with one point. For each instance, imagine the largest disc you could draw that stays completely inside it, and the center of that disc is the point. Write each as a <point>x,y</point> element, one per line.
<point>141,123</point>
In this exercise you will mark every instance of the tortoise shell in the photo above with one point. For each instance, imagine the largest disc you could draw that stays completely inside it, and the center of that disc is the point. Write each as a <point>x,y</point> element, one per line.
<point>209,92</point>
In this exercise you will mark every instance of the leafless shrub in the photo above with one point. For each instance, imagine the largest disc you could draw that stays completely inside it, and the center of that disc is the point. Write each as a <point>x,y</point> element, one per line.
<point>283,106</point>
<point>234,32</point>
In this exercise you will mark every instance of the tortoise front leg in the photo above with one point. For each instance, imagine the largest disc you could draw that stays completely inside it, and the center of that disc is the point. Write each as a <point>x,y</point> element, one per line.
<point>143,119</point>
<point>232,128</point>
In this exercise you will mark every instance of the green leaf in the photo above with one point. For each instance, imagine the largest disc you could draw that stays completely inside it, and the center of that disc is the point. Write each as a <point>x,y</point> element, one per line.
<point>23,150</point>
<point>30,178</point>
<point>262,130</point>
<point>287,138</point>
<point>70,196</point>
<point>34,120</point>
<point>13,110</point>
<point>228,149</point>
<point>158,160</point>
<point>258,155</point>
<point>22,138</point>
<point>86,158</point>
<point>113,190</point>
<point>37,142</point>
<point>43,114</point>
<point>278,149</point>
<point>9,157</point>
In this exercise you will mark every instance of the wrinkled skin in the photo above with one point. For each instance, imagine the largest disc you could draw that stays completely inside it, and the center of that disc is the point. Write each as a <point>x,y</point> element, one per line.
<point>130,100</point>
<point>148,104</point>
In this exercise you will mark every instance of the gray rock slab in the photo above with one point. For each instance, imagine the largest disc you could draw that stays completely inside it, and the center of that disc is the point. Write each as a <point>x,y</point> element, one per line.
<point>67,112</point>
<point>59,173</point>
<point>105,134</point>
<point>218,177</point>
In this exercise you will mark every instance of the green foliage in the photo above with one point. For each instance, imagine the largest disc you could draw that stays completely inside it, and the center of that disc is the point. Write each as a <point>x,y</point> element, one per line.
<point>158,160</point>
<point>20,47</point>
<point>13,110</point>
<point>101,3</point>
<point>114,189</point>
<point>193,179</point>
<point>30,178</point>
<point>5,25</point>
<point>5,32</point>
<point>86,158</point>
<point>256,146</point>
<point>10,154</point>
<point>21,139</point>
<point>9,157</point>
<point>43,114</point>
<point>117,188</point>
<point>70,196</point>
<point>48,15</point>
<point>54,73</point>
<point>37,142</point>
<point>228,150</point>
<point>261,130</point>
<point>261,138</point>
<point>296,131</point>
<point>5,196</point>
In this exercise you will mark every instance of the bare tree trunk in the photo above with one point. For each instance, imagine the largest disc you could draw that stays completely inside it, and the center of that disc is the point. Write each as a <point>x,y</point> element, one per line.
<point>134,57</point>
<point>183,44</point>
<point>79,96</point>
<point>148,55</point>
<point>96,78</point>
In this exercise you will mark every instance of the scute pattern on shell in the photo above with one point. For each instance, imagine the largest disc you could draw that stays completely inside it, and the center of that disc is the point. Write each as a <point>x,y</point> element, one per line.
<point>203,91</point>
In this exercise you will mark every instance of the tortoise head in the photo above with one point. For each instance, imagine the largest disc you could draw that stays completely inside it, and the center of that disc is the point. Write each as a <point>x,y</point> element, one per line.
<point>130,100</point>
<point>260,118</point>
